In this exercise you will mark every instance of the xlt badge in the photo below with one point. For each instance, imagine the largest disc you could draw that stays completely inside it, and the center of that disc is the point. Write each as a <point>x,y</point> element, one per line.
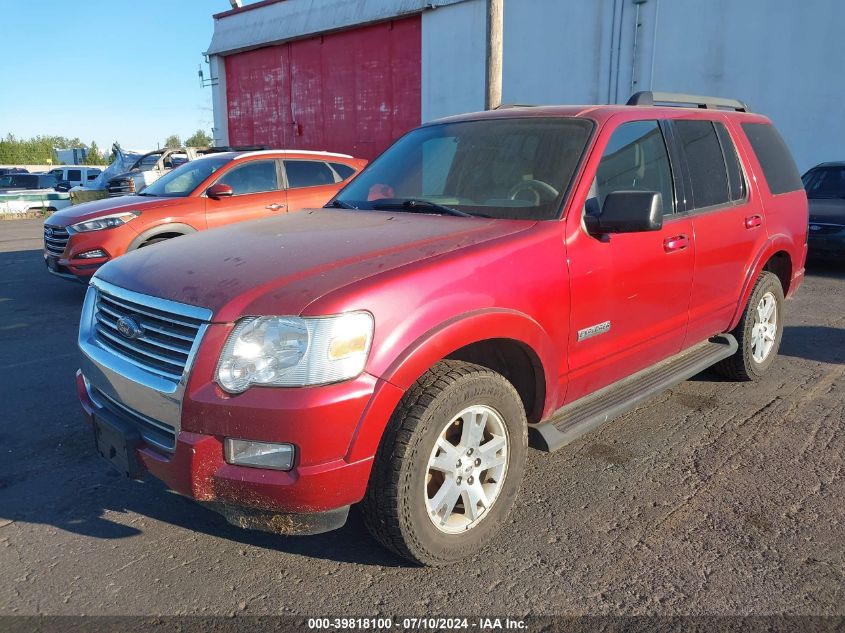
<point>593,330</point>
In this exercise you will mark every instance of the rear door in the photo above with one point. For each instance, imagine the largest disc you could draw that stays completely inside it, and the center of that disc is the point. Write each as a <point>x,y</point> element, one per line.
<point>727,218</point>
<point>629,291</point>
<point>256,193</point>
<point>311,183</point>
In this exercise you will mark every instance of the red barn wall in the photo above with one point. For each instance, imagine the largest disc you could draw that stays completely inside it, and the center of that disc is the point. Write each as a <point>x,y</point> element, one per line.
<point>354,91</point>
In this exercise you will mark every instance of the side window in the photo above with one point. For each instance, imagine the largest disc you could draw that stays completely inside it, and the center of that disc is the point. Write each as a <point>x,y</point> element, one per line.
<point>705,161</point>
<point>736,180</point>
<point>308,173</point>
<point>344,171</point>
<point>636,159</point>
<point>74,174</point>
<point>57,174</point>
<point>778,165</point>
<point>253,177</point>
<point>93,173</point>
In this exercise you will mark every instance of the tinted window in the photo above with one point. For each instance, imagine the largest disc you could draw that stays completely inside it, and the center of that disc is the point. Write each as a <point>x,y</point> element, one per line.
<point>17,181</point>
<point>635,159</point>
<point>344,171</point>
<point>74,174</point>
<point>777,163</point>
<point>253,177</point>
<point>736,181</point>
<point>825,182</point>
<point>705,162</point>
<point>308,173</point>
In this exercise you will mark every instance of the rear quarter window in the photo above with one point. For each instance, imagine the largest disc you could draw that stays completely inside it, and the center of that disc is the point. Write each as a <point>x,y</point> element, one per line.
<point>778,165</point>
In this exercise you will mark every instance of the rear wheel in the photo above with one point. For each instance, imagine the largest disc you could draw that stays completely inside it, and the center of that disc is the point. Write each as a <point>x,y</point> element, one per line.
<point>758,333</point>
<point>450,465</point>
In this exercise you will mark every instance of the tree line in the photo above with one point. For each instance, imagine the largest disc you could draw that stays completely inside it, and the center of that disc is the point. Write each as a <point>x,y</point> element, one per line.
<point>39,150</point>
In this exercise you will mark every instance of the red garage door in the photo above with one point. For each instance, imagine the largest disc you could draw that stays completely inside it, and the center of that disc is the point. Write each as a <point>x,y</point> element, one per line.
<point>354,91</point>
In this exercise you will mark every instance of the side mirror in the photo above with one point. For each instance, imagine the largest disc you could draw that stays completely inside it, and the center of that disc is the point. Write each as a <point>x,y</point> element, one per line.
<point>215,192</point>
<point>627,212</point>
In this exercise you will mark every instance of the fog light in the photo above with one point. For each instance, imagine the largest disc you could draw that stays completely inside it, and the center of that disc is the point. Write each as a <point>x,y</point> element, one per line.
<point>259,454</point>
<point>92,254</point>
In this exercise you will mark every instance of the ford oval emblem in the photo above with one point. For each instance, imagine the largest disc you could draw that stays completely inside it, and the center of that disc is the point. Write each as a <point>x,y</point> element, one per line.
<point>129,327</point>
<point>48,232</point>
<point>815,227</point>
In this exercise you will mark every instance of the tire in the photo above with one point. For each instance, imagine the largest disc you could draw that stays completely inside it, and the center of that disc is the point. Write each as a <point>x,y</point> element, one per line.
<point>403,489</point>
<point>744,365</point>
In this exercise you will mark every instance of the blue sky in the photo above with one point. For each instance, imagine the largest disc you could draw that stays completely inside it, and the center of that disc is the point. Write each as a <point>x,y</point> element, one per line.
<point>105,70</point>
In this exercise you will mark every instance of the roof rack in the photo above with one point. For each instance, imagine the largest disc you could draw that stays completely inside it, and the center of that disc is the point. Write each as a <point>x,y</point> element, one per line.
<point>506,106</point>
<point>648,98</point>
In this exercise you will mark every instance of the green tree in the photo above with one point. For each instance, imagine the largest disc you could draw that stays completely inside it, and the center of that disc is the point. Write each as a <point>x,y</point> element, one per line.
<point>94,157</point>
<point>173,141</point>
<point>200,138</point>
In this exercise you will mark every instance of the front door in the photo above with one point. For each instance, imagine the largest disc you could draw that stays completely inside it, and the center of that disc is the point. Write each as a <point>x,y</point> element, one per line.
<point>630,292</point>
<point>256,193</point>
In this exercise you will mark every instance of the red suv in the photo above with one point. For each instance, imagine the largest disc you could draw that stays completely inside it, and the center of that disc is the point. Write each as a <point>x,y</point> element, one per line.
<point>492,281</point>
<point>211,191</point>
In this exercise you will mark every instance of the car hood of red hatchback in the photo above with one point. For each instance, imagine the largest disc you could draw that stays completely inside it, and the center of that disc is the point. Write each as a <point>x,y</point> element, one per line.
<point>106,206</point>
<point>280,265</point>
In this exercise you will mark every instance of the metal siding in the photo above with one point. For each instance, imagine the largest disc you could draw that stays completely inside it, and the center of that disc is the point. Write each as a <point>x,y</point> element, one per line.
<point>352,91</point>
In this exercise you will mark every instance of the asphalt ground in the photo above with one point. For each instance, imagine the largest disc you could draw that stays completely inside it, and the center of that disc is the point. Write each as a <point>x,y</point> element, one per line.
<point>715,498</point>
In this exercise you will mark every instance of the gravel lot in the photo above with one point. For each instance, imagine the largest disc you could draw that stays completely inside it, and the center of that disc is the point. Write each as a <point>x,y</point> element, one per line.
<point>716,498</point>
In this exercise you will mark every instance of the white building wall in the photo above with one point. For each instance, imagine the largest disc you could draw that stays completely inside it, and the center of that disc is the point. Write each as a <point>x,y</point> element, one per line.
<point>220,131</point>
<point>781,57</point>
<point>453,58</point>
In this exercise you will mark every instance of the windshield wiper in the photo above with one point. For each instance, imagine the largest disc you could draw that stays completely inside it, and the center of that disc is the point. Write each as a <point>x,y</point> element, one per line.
<point>415,205</point>
<point>340,204</point>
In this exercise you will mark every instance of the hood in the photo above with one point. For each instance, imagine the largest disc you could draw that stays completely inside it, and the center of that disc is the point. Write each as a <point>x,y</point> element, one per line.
<point>827,210</point>
<point>106,206</point>
<point>292,260</point>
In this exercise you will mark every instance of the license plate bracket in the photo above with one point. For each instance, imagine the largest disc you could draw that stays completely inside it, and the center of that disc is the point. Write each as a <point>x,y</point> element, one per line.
<point>116,442</point>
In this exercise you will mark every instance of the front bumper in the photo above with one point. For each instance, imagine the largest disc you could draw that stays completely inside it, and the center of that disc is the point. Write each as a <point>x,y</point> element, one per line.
<point>253,497</point>
<point>827,246</point>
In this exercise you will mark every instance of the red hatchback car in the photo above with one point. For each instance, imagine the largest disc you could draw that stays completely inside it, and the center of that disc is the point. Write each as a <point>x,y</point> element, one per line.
<point>208,192</point>
<point>491,280</point>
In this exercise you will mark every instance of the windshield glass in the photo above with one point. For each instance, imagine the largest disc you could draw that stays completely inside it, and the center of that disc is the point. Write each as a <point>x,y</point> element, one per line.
<point>516,168</point>
<point>184,179</point>
<point>825,182</point>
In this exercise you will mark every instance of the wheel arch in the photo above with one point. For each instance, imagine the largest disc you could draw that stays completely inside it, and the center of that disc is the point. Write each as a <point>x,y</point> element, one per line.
<point>172,229</point>
<point>512,343</point>
<point>776,258</point>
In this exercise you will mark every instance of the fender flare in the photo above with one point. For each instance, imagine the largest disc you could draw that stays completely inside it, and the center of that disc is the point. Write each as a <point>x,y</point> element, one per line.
<point>170,227</point>
<point>440,342</point>
<point>774,244</point>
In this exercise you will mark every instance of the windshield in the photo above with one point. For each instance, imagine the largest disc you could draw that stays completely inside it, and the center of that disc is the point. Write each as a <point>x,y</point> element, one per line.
<point>184,179</point>
<point>825,182</point>
<point>516,168</point>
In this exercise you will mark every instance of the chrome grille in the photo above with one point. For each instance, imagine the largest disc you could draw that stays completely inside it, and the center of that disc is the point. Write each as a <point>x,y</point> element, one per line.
<point>822,228</point>
<point>55,239</point>
<point>165,341</point>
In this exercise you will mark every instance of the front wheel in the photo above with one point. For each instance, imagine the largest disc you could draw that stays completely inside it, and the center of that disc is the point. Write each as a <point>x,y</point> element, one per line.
<point>758,333</point>
<point>449,467</point>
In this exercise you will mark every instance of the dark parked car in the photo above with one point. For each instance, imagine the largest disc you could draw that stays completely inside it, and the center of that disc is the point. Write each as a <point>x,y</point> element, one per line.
<point>825,186</point>
<point>15,182</point>
<point>4,171</point>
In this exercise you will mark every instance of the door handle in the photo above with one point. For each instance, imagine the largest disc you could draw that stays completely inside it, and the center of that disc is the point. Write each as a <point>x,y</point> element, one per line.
<point>275,206</point>
<point>675,243</point>
<point>753,221</point>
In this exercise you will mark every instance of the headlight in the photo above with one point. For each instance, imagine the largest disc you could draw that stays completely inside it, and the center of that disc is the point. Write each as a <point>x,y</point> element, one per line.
<point>295,352</point>
<point>105,222</point>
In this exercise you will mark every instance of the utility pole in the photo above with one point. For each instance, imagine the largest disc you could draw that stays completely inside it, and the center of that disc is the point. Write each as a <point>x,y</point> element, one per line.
<point>495,28</point>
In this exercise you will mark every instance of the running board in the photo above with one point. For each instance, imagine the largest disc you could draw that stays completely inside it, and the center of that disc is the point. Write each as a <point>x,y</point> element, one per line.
<point>588,413</point>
